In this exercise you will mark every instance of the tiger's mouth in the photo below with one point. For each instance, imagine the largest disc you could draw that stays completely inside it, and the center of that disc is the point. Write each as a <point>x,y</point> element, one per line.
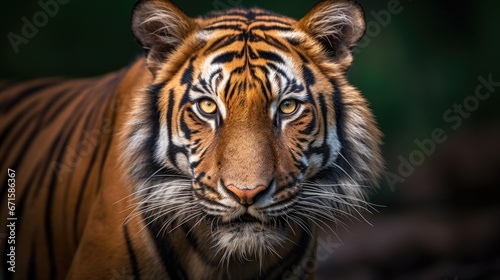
<point>244,219</point>
<point>247,221</point>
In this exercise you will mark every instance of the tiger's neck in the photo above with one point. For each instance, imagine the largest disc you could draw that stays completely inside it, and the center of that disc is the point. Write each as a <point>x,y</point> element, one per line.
<point>190,246</point>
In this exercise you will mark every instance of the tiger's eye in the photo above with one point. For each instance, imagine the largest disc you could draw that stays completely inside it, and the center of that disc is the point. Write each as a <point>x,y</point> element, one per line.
<point>207,106</point>
<point>288,106</point>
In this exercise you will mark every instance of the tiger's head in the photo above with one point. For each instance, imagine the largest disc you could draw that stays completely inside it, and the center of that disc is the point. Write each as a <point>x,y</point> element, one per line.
<point>250,130</point>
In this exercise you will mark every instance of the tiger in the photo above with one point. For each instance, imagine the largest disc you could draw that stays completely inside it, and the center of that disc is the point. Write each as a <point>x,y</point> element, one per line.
<point>219,154</point>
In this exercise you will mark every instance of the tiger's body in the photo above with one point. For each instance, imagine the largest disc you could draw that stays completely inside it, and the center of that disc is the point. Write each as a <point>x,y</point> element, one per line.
<point>216,157</point>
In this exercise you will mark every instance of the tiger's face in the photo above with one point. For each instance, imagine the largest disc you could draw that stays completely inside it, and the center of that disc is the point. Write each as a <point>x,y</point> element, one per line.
<point>251,126</point>
<point>253,132</point>
<point>250,130</point>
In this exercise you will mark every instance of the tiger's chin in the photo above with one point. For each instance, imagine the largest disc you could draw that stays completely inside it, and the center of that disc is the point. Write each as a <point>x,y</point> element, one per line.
<point>247,239</point>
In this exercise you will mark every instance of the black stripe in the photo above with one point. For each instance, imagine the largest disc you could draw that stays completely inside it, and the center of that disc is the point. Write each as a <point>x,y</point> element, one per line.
<point>251,15</point>
<point>246,20</point>
<point>296,88</point>
<point>335,173</point>
<point>226,26</point>
<point>225,57</point>
<point>223,42</point>
<point>309,77</point>
<point>324,149</point>
<point>271,41</point>
<point>170,109</point>
<point>251,53</point>
<point>173,149</point>
<point>308,130</point>
<point>217,44</point>
<point>304,59</point>
<point>187,76</point>
<point>271,28</point>
<point>131,254</point>
<point>266,89</point>
<point>185,128</point>
<point>293,41</point>
<point>154,119</point>
<point>187,79</point>
<point>149,149</point>
<point>270,56</point>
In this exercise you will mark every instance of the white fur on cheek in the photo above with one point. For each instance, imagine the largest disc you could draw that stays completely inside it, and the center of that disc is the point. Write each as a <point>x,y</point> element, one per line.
<point>333,143</point>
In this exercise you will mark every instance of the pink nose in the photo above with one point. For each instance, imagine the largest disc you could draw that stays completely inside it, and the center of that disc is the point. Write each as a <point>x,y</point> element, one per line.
<point>246,196</point>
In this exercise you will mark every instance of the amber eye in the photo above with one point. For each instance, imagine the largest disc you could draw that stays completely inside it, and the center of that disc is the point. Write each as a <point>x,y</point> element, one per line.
<point>288,107</point>
<point>207,106</point>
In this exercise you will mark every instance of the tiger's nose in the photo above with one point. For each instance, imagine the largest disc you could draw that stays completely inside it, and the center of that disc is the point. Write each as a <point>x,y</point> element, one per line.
<point>246,196</point>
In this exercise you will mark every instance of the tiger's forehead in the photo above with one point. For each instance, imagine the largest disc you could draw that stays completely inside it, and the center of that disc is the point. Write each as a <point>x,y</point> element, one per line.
<point>250,30</point>
<point>243,19</point>
<point>249,51</point>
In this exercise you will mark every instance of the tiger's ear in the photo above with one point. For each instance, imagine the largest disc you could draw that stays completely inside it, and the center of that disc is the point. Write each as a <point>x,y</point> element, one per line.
<point>338,25</point>
<point>160,27</point>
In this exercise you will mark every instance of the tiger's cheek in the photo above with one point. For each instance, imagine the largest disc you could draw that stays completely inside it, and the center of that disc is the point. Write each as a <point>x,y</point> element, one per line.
<point>288,173</point>
<point>287,179</point>
<point>207,169</point>
<point>200,142</point>
<point>299,139</point>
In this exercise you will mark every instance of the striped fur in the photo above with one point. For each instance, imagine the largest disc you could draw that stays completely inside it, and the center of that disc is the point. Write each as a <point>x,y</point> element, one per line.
<point>126,175</point>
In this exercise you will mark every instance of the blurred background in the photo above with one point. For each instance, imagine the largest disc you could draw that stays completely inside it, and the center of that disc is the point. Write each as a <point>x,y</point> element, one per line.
<point>430,70</point>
